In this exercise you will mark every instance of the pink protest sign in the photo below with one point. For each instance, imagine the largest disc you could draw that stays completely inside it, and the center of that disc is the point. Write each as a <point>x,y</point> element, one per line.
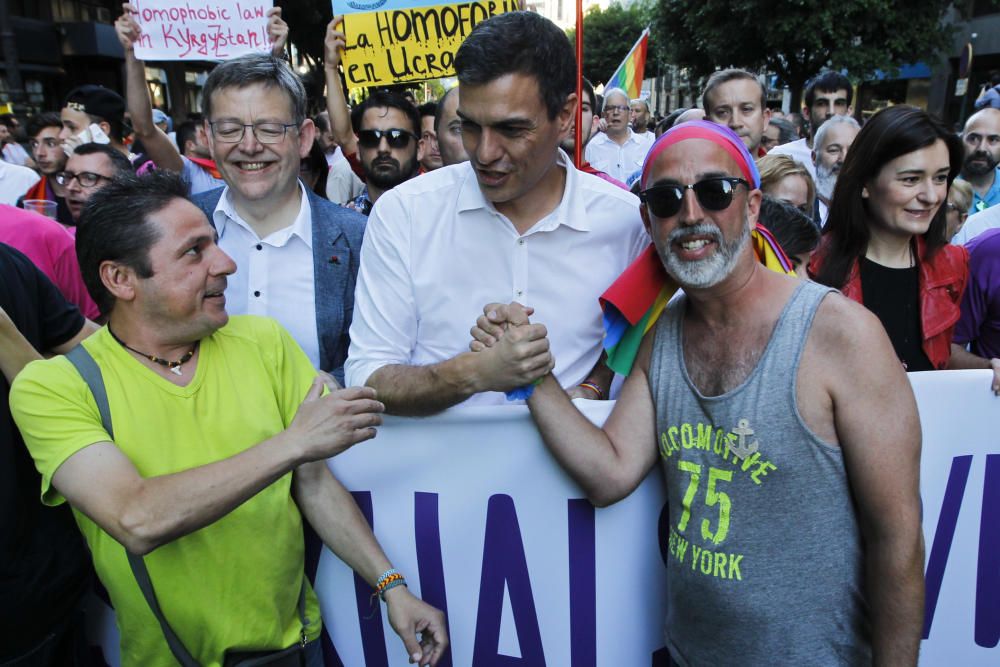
<point>200,29</point>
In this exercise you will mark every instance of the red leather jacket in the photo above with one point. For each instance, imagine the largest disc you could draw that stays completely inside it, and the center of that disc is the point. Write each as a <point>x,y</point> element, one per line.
<point>943,277</point>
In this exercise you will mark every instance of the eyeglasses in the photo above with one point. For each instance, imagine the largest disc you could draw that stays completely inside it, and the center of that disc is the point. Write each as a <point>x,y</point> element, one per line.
<point>231,132</point>
<point>615,108</point>
<point>396,138</point>
<point>86,179</point>
<point>714,194</point>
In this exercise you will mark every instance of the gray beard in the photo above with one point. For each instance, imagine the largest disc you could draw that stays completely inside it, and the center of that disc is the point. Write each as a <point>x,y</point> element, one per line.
<point>826,179</point>
<point>711,270</point>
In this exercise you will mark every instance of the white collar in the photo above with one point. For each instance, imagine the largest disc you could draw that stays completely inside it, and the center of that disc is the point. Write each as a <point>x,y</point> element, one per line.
<point>301,226</point>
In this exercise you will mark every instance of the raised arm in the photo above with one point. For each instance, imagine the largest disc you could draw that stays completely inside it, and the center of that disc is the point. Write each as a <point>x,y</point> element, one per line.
<point>336,103</point>
<point>277,31</point>
<point>876,422</point>
<point>158,145</point>
<point>608,463</point>
<point>144,513</point>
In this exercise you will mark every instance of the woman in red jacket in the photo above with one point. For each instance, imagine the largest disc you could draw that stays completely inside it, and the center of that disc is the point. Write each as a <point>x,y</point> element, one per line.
<point>884,243</point>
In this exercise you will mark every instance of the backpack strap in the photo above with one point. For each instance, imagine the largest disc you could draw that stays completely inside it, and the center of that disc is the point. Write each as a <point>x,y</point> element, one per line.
<point>91,374</point>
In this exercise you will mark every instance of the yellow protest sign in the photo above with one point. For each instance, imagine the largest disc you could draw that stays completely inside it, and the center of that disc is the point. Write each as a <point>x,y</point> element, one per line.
<point>411,44</point>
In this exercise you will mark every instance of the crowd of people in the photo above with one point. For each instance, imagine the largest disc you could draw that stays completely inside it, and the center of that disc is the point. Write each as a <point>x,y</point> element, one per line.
<point>228,305</point>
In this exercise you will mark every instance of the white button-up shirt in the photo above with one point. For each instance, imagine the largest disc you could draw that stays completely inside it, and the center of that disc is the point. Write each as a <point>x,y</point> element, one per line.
<point>274,275</point>
<point>436,251</point>
<point>618,161</point>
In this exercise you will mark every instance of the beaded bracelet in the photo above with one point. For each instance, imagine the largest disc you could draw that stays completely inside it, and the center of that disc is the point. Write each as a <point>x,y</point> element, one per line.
<point>594,388</point>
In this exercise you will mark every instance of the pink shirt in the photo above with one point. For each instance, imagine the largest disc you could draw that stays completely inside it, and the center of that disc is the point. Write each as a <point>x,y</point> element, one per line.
<point>52,248</point>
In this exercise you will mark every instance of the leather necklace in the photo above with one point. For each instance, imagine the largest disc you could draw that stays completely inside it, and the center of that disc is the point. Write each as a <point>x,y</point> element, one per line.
<point>173,366</point>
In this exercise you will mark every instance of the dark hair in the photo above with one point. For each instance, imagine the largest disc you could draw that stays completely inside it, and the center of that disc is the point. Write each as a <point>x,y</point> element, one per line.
<point>316,163</point>
<point>588,90</point>
<point>8,121</point>
<point>889,134</point>
<point>440,108</point>
<point>786,131</point>
<point>40,121</point>
<point>119,162</point>
<point>795,232</point>
<point>322,122</point>
<point>671,118</point>
<point>427,109</point>
<point>386,99</point>
<point>186,131</point>
<point>725,76</point>
<point>524,43</point>
<point>828,82</point>
<point>256,68</point>
<point>115,227</point>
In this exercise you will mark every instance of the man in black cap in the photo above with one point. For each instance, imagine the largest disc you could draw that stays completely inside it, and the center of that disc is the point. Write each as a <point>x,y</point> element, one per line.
<point>90,105</point>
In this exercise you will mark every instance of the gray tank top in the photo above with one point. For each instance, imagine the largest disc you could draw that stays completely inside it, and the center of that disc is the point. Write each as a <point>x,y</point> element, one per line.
<point>764,556</point>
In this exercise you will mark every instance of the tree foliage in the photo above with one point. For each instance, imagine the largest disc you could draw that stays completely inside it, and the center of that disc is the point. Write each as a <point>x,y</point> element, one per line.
<point>607,37</point>
<point>798,38</point>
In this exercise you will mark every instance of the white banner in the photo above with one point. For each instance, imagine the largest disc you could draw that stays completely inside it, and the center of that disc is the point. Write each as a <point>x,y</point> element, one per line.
<point>481,520</point>
<point>474,511</point>
<point>200,29</point>
<point>960,488</point>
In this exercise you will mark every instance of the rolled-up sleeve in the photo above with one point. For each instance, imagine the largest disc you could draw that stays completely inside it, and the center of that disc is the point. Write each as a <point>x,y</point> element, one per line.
<point>384,328</point>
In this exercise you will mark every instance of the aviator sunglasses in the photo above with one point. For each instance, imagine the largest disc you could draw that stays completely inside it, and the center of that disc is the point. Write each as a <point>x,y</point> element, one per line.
<point>396,138</point>
<point>714,194</point>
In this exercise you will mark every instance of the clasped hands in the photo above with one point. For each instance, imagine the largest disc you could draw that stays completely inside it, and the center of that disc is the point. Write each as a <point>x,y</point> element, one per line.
<point>510,351</point>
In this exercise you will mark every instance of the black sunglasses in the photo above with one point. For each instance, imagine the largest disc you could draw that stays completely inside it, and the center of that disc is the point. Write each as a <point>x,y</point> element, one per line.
<point>714,194</point>
<point>396,137</point>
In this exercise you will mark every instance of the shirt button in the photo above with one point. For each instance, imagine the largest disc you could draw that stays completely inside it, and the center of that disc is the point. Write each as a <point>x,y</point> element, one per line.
<point>256,293</point>
<point>260,247</point>
<point>520,242</point>
<point>520,293</point>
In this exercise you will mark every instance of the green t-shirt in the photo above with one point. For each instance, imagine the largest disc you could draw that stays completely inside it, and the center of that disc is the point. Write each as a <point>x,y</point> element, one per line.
<point>235,583</point>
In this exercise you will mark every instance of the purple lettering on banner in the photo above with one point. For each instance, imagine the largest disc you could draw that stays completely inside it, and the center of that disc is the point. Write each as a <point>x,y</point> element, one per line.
<point>372,635</point>
<point>504,563</point>
<point>582,583</point>
<point>943,535</point>
<point>429,564</point>
<point>988,571</point>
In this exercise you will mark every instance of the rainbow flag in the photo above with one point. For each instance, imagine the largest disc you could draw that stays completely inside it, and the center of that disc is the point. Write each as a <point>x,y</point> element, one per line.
<point>628,76</point>
<point>636,299</point>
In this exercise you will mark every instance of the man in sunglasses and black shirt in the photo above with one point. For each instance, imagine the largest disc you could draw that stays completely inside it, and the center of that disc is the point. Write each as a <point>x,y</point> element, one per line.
<point>387,126</point>
<point>379,137</point>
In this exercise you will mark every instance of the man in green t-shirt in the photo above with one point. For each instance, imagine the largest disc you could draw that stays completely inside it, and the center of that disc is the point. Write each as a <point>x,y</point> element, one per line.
<point>221,432</point>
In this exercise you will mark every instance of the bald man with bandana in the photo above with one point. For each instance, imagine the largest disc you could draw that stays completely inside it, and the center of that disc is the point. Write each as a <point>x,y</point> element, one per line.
<point>785,428</point>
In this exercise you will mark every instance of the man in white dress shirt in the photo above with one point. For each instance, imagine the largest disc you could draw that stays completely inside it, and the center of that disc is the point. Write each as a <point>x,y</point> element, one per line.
<point>296,254</point>
<point>618,150</point>
<point>516,223</point>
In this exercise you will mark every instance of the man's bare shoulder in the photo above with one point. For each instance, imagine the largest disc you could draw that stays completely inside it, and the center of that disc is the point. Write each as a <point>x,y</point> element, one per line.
<point>845,326</point>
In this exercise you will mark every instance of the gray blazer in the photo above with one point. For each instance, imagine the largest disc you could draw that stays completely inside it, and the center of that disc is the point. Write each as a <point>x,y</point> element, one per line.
<point>337,233</point>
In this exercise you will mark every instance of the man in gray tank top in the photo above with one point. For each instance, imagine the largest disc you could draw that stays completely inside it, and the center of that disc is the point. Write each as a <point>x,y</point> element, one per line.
<point>786,430</point>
